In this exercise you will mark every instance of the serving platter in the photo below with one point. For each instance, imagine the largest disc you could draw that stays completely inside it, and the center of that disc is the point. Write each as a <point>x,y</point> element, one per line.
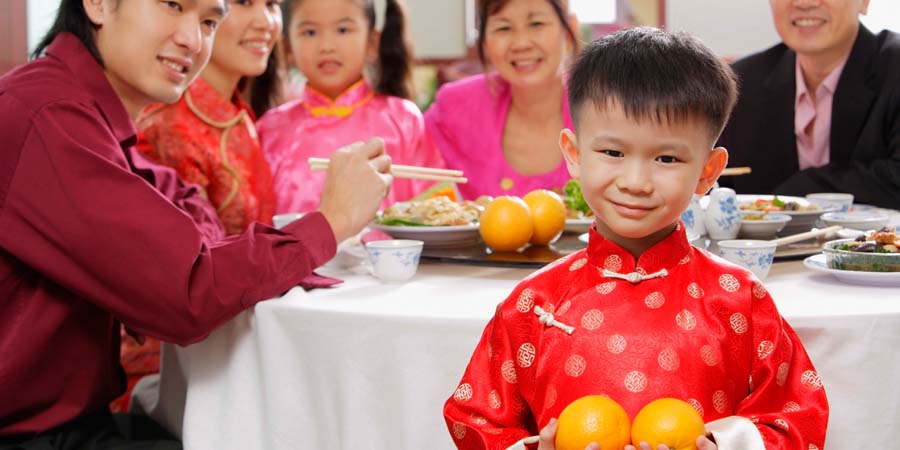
<point>450,236</point>
<point>480,254</point>
<point>817,263</point>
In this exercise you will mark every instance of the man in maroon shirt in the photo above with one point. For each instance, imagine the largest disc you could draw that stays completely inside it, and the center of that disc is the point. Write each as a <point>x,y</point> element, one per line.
<point>92,235</point>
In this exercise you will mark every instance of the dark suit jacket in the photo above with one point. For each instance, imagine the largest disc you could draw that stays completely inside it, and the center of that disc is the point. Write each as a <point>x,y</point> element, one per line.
<point>865,125</point>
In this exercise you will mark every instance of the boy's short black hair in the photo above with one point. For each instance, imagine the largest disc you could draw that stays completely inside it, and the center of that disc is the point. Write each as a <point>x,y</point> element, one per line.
<point>654,74</point>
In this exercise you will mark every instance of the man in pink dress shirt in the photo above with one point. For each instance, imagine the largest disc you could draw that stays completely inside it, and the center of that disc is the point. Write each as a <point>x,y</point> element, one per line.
<point>819,112</point>
<point>92,235</point>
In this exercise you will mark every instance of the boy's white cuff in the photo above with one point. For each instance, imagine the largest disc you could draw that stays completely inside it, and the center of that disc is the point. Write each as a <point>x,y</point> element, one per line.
<point>735,432</point>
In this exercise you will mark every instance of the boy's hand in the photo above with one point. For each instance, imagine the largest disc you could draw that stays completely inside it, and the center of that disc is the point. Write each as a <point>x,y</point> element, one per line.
<point>703,443</point>
<point>548,438</point>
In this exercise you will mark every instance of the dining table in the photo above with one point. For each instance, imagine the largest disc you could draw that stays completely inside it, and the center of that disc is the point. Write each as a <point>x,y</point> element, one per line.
<point>369,365</point>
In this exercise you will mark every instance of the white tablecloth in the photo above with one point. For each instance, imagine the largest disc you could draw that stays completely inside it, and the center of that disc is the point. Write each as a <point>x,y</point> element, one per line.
<point>368,365</point>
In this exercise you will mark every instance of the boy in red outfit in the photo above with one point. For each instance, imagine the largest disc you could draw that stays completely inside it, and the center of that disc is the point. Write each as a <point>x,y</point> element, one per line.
<point>640,314</point>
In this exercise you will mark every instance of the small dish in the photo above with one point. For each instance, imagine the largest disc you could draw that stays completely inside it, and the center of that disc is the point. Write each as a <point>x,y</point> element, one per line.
<point>862,220</point>
<point>764,227</point>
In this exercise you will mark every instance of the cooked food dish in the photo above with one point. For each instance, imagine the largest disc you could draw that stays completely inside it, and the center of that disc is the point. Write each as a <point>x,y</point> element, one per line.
<point>876,252</point>
<point>776,204</point>
<point>437,211</point>
<point>881,241</point>
<point>576,207</point>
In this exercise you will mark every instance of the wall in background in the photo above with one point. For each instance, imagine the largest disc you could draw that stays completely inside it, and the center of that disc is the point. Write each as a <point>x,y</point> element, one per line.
<point>731,28</point>
<point>13,34</point>
<point>40,18</point>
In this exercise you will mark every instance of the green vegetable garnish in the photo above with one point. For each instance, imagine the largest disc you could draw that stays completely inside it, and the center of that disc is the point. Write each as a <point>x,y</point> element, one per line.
<point>402,222</point>
<point>573,198</point>
<point>777,202</point>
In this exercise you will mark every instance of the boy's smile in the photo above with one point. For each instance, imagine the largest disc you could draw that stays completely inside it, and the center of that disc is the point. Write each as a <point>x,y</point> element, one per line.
<point>638,174</point>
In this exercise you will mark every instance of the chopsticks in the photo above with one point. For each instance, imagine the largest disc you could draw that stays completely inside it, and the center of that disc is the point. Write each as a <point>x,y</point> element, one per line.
<point>401,171</point>
<point>730,171</point>
<point>804,236</point>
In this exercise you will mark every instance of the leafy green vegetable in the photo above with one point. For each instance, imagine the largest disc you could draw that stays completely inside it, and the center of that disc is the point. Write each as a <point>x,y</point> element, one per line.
<point>402,222</point>
<point>574,198</point>
<point>777,202</point>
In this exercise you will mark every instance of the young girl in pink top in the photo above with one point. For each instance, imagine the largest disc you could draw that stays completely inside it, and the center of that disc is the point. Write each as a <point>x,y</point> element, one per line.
<point>502,128</point>
<point>332,43</point>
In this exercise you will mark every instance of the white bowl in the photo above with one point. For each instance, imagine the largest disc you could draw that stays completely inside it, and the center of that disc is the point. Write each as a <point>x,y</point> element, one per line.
<point>764,228</point>
<point>863,220</point>
<point>838,199</point>
<point>396,260</point>
<point>751,254</point>
<point>280,220</point>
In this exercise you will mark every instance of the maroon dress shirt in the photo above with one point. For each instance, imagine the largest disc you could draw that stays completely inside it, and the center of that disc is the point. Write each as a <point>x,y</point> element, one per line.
<point>92,234</point>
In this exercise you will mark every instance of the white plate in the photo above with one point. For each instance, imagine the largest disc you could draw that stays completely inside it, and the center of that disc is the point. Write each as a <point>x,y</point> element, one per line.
<point>817,262</point>
<point>434,237</point>
<point>578,226</point>
<point>800,220</point>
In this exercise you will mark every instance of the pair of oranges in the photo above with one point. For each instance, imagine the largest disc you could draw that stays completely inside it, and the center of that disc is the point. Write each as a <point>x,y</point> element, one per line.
<point>508,222</point>
<point>600,419</point>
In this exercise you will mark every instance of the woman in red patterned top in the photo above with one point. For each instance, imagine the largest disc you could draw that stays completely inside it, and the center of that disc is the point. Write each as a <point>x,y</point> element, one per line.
<point>209,138</point>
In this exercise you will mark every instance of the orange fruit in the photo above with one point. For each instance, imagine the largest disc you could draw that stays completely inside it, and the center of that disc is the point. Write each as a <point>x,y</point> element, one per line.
<point>505,224</point>
<point>593,418</point>
<point>668,421</point>
<point>548,213</point>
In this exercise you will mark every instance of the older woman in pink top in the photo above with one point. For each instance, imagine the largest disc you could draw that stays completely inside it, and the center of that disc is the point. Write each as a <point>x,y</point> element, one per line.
<point>502,128</point>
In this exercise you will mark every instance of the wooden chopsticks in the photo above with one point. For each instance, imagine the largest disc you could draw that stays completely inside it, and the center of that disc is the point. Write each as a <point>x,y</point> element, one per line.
<point>736,171</point>
<point>401,171</point>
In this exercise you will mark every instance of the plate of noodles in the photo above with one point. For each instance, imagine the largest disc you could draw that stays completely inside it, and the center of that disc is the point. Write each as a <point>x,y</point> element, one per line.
<point>438,222</point>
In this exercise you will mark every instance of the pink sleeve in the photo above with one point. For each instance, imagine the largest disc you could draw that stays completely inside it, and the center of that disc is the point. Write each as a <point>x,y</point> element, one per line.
<point>487,410</point>
<point>787,401</point>
<point>439,132</point>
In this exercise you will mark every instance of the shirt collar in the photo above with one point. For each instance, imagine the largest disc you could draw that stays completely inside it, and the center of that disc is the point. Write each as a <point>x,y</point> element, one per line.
<point>665,254</point>
<point>348,101</point>
<point>72,52</point>
<point>213,104</point>
<point>829,84</point>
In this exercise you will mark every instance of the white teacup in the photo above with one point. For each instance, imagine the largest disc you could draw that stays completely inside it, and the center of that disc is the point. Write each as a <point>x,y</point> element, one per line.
<point>395,260</point>
<point>280,220</point>
<point>838,199</point>
<point>752,254</point>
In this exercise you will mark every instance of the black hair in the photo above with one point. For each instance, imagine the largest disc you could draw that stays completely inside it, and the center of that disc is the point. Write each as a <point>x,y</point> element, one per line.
<point>71,18</point>
<point>264,91</point>
<point>393,74</point>
<point>487,8</point>
<point>654,75</point>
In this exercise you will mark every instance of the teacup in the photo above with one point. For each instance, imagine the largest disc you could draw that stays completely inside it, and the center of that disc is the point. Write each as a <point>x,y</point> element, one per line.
<point>396,260</point>
<point>751,254</point>
<point>839,200</point>
<point>280,220</point>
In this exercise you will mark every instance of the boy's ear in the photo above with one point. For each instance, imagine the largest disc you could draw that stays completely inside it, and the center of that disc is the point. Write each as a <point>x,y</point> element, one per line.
<point>714,166</point>
<point>568,144</point>
<point>96,11</point>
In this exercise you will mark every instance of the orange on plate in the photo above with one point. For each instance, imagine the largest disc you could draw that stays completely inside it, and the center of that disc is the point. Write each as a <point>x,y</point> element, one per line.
<point>505,225</point>
<point>548,213</point>
<point>668,421</point>
<point>593,418</point>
